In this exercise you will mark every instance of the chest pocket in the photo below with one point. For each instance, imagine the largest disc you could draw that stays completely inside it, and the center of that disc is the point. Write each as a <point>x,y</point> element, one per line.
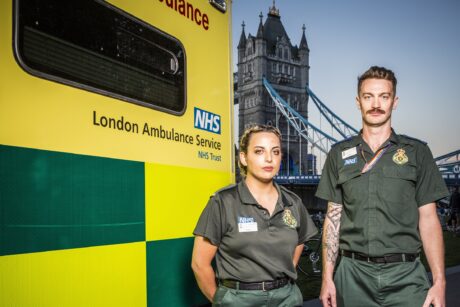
<point>349,181</point>
<point>399,183</point>
<point>407,172</point>
<point>347,173</point>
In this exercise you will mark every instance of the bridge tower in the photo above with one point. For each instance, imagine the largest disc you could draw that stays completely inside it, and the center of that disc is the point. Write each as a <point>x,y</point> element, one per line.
<point>271,54</point>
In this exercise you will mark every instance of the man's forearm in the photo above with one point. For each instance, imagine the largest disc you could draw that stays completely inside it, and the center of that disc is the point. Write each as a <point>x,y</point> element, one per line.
<point>331,238</point>
<point>433,243</point>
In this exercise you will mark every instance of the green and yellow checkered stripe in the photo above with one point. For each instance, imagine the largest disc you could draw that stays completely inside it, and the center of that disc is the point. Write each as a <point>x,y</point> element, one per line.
<point>80,230</point>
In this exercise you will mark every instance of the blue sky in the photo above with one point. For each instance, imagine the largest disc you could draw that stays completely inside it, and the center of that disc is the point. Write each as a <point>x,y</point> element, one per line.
<point>418,39</point>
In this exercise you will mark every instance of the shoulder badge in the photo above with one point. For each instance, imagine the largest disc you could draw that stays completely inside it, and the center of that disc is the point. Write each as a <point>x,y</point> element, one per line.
<point>289,219</point>
<point>400,157</point>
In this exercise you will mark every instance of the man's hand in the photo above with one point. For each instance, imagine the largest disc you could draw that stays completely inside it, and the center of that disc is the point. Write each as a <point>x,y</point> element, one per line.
<point>436,296</point>
<point>433,245</point>
<point>328,294</point>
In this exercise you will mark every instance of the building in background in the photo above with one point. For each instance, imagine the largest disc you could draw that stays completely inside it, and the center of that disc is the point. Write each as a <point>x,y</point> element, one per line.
<point>271,54</point>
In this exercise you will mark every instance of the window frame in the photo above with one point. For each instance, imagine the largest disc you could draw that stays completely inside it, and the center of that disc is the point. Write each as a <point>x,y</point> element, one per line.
<point>18,54</point>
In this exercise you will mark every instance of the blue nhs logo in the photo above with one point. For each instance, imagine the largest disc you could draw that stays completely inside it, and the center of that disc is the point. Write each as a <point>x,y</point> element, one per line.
<point>207,121</point>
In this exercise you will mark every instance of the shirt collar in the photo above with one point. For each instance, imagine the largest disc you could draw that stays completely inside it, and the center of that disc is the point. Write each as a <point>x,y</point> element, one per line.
<point>394,138</point>
<point>247,198</point>
<point>245,194</point>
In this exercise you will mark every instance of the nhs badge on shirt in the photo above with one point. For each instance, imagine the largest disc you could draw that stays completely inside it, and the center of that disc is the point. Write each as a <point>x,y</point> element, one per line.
<point>246,224</point>
<point>351,161</point>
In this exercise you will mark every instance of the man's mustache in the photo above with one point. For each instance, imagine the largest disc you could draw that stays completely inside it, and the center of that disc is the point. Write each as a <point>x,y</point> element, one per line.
<point>375,110</point>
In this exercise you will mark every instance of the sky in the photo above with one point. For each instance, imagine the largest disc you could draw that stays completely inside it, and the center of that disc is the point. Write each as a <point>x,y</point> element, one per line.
<point>418,39</point>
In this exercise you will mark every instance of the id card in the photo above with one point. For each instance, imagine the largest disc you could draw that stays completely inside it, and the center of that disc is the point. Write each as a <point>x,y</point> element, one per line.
<point>349,153</point>
<point>247,224</point>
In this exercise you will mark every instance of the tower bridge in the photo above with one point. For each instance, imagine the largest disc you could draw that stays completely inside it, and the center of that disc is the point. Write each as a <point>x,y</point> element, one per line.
<point>272,88</point>
<point>449,164</point>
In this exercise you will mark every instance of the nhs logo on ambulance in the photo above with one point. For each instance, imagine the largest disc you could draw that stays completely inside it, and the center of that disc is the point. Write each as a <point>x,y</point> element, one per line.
<point>208,121</point>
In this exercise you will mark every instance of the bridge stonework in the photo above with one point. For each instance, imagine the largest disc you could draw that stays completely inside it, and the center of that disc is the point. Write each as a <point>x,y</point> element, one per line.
<point>270,54</point>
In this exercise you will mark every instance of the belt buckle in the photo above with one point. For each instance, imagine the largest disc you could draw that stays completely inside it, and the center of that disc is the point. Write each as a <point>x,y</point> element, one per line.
<point>263,286</point>
<point>385,257</point>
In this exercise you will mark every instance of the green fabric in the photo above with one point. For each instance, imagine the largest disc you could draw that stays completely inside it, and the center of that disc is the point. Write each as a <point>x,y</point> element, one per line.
<point>252,245</point>
<point>52,200</point>
<point>362,284</point>
<point>380,207</point>
<point>287,296</point>
<point>169,271</point>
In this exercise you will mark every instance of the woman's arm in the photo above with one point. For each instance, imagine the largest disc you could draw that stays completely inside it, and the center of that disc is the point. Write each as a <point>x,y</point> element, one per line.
<point>297,252</point>
<point>203,253</point>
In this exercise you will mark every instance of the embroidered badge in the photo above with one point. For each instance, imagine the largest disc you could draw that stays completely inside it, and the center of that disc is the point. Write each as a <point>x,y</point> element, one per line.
<point>351,161</point>
<point>400,157</point>
<point>289,219</point>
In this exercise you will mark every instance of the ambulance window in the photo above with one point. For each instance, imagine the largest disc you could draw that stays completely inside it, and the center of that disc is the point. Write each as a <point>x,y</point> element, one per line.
<point>92,45</point>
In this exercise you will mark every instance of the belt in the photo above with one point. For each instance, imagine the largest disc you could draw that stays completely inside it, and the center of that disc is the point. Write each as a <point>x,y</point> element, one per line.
<point>389,258</point>
<point>264,285</point>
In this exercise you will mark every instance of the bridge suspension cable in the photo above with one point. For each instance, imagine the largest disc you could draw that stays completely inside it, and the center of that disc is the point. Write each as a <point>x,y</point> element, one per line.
<point>343,128</point>
<point>304,128</point>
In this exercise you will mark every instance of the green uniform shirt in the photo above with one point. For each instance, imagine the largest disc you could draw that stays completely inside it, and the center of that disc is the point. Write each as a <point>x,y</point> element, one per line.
<point>252,245</point>
<point>380,207</point>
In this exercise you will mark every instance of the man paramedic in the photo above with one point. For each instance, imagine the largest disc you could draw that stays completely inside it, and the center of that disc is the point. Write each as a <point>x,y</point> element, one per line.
<point>381,189</point>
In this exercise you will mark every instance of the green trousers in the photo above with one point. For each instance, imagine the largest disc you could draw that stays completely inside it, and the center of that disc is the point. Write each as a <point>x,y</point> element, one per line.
<point>359,283</point>
<point>287,296</point>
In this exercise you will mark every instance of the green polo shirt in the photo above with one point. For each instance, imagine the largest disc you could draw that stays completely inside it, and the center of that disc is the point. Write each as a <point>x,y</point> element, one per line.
<point>252,245</point>
<point>380,207</point>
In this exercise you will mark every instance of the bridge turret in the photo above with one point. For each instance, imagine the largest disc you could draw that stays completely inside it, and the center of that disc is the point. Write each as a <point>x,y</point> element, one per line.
<point>304,56</point>
<point>242,43</point>
<point>260,31</point>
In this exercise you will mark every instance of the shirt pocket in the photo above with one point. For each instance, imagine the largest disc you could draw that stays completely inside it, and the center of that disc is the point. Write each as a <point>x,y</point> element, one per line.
<point>399,183</point>
<point>348,180</point>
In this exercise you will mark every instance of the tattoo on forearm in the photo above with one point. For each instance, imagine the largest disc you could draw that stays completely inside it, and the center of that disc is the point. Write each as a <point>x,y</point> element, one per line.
<point>331,231</point>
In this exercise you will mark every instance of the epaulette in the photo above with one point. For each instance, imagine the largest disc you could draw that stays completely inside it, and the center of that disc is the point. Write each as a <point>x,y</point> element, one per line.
<point>228,187</point>
<point>343,141</point>
<point>413,139</point>
<point>292,194</point>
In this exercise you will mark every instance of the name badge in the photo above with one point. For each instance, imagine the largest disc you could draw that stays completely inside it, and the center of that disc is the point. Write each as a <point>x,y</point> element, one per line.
<point>349,153</point>
<point>247,224</point>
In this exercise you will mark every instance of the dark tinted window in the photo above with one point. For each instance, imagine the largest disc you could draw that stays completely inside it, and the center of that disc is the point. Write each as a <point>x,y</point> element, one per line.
<point>93,45</point>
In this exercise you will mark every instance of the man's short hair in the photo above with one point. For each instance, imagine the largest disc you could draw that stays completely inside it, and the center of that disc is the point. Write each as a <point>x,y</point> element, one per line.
<point>377,72</point>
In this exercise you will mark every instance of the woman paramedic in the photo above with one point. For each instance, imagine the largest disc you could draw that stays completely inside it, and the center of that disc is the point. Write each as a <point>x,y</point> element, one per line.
<point>255,230</point>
